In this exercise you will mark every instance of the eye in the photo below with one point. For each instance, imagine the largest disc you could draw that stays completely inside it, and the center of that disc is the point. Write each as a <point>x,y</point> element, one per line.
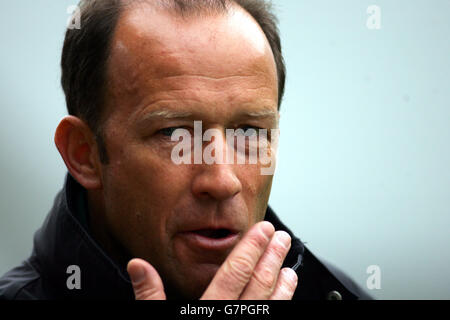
<point>168,131</point>
<point>250,131</point>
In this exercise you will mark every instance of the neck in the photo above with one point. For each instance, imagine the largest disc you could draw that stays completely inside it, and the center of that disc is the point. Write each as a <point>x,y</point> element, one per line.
<point>100,232</point>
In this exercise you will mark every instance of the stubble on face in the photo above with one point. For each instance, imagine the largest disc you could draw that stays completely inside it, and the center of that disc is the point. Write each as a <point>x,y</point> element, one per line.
<point>216,69</point>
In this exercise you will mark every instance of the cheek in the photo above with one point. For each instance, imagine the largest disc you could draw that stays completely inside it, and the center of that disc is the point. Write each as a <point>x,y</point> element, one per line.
<point>145,171</point>
<point>141,191</point>
<point>256,191</point>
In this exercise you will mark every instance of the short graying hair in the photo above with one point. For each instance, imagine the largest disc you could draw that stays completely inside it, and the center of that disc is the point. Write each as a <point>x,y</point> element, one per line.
<point>86,50</point>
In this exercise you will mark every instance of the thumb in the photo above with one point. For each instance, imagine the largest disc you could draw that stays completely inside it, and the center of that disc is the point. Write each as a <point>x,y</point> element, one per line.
<point>147,283</point>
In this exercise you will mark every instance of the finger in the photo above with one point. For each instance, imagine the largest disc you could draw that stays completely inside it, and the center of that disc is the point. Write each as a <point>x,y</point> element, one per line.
<point>265,275</point>
<point>147,283</point>
<point>286,285</point>
<point>234,274</point>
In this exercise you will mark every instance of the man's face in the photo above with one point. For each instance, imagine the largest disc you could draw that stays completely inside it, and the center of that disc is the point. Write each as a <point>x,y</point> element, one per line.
<point>166,72</point>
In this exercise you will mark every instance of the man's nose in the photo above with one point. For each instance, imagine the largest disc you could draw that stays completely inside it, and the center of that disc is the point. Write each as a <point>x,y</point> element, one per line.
<point>216,181</point>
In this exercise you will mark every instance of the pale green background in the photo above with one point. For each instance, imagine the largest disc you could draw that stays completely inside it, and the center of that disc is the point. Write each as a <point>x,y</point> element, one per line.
<point>363,174</point>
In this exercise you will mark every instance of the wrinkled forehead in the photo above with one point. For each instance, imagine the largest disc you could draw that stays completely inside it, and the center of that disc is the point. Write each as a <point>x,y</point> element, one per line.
<point>151,43</point>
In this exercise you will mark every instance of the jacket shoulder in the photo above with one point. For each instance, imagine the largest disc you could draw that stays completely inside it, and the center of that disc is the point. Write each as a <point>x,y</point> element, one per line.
<point>321,280</point>
<point>20,283</point>
<point>348,282</point>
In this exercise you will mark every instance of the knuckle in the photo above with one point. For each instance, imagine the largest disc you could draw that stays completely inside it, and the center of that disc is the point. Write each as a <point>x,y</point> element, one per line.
<point>257,241</point>
<point>146,293</point>
<point>240,269</point>
<point>289,290</point>
<point>285,293</point>
<point>277,252</point>
<point>289,286</point>
<point>265,278</point>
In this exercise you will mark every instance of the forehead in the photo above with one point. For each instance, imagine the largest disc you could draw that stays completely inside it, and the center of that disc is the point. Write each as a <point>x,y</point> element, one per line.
<point>154,50</point>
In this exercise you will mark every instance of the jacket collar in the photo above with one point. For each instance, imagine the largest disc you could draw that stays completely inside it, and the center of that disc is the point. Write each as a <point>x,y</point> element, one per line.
<point>63,241</point>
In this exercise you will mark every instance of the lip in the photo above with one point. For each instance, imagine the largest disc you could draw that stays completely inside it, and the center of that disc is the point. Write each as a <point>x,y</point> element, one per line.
<point>196,240</point>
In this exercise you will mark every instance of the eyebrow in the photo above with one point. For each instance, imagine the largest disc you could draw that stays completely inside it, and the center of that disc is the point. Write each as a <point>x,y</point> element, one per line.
<point>174,114</point>
<point>166,114</point>
<point>266,113</point>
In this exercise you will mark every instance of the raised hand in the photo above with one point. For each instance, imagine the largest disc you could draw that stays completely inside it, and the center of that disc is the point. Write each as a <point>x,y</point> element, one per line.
<point>251,271</point>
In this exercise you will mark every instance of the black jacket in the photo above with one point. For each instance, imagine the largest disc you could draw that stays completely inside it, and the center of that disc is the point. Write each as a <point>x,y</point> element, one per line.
<point>64,240</point>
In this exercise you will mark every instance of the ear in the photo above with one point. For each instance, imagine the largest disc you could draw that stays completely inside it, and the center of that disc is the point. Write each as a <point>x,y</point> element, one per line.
<point>78,148</point>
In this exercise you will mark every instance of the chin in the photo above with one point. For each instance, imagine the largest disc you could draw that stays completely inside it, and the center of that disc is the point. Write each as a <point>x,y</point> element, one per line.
<point>191,284</point>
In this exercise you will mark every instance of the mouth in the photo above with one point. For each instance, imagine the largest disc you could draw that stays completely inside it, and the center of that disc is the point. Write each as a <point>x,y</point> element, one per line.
<point>211,239</point>
<point>214,233</point>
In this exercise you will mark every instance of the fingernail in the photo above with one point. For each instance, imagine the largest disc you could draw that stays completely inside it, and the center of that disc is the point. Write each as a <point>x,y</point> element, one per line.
<point>137,273</point>
<point>283,238</point>
<point>291,275</point>
<point>267,228</point>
